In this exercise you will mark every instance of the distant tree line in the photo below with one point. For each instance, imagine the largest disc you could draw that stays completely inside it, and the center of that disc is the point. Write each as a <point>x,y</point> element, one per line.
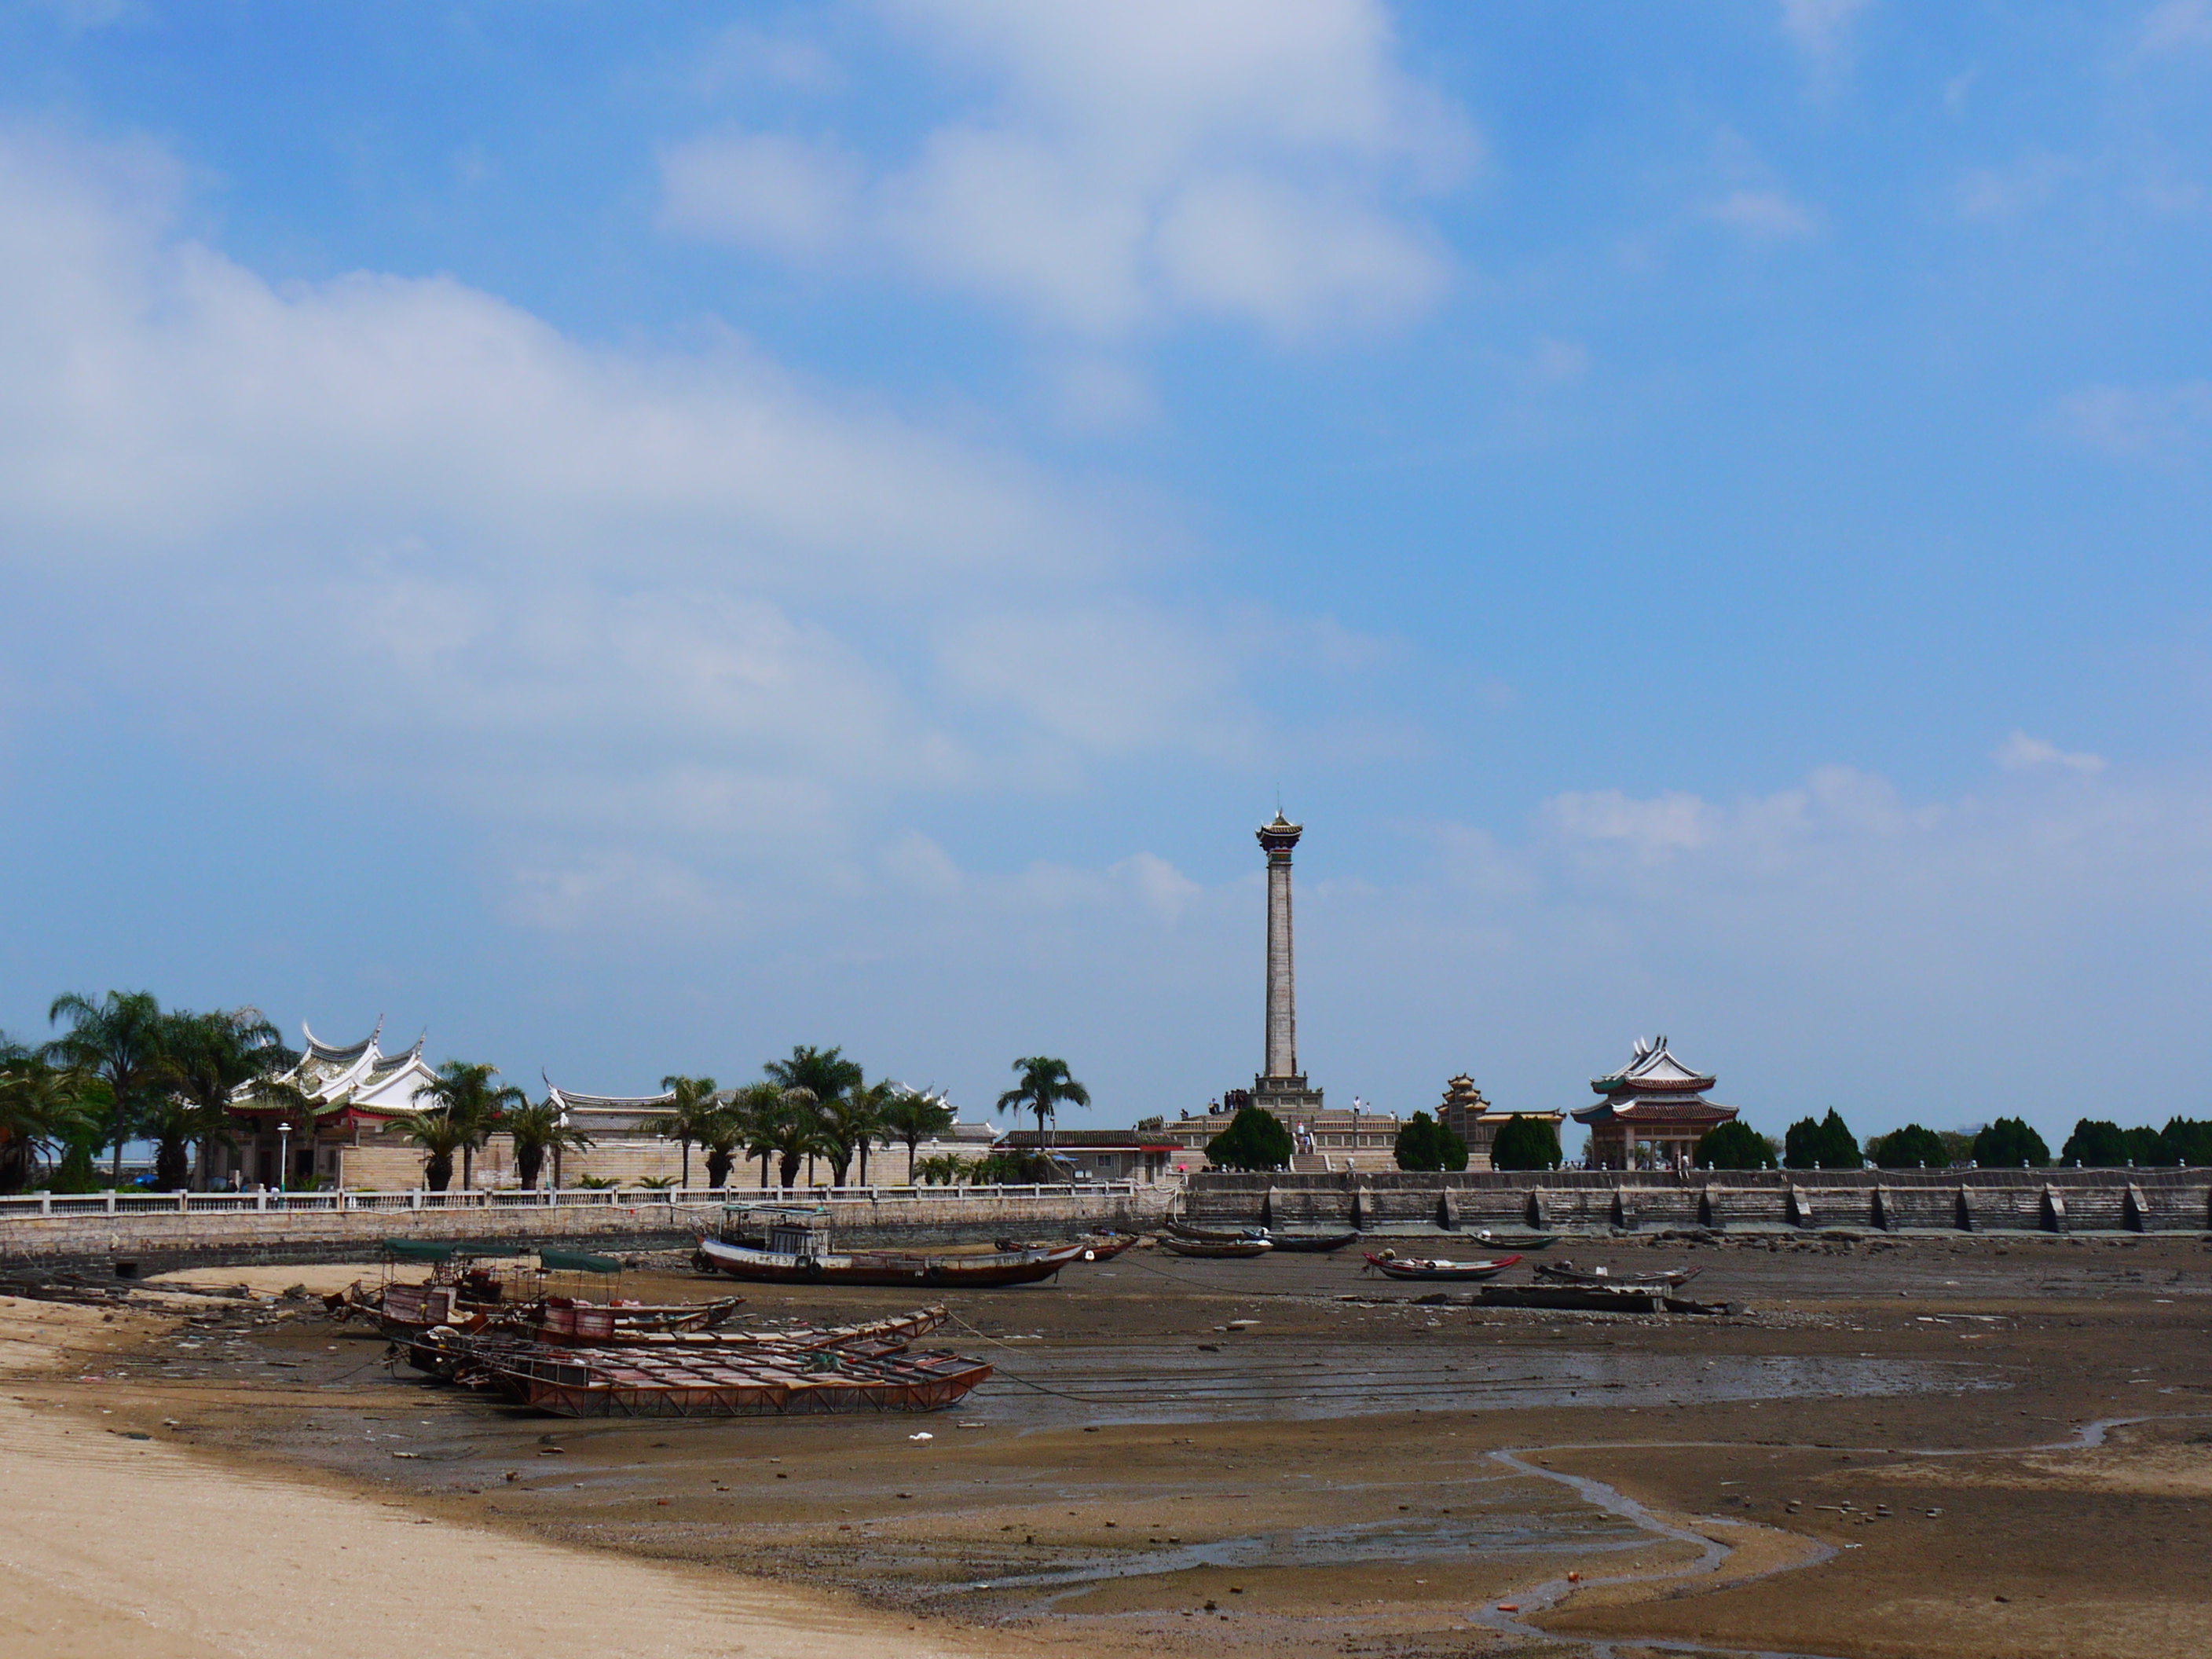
<point>1826,1143</point>
<point>122,1069</point>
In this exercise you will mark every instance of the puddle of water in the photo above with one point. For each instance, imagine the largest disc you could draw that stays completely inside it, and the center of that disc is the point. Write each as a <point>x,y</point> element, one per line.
<point>1051,1387</point>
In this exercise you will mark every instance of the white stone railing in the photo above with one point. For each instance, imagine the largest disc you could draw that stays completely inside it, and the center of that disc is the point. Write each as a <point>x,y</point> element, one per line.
<point>131,1203</point>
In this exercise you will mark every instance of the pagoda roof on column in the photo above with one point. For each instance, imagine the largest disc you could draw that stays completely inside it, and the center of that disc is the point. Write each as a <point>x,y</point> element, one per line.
<point>1281,833</point>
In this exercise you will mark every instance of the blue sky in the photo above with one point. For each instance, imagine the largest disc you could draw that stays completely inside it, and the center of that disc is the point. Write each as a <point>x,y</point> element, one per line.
<point>631,537</point>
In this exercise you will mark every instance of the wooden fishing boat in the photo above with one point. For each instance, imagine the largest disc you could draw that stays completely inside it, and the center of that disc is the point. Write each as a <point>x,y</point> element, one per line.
<point>981,1271</point>
<point>1214,1250</point>
<point>1106,1247</point>
<point>450,1350</point>
<point>1521,1242</point>
<point>764,1382</point>
<point>1566,1273</point>
<point>1310,1243</point>
<point>797,1371</point>
<point>1214,1234</point>
<point>402,1312</point>
<point>563,1319</point>
<point>1397,1267</point>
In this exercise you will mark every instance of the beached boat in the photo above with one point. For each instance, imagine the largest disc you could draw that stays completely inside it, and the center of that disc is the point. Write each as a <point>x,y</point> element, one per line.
<point>983,1271</point>
<point>1214,1248</point>
<point>764,1382</point>
<point>1397,1267</point>
<point>1566,1273</point>
<point>1107,1246</point>
<point>1521,1242</point>
<point>1310,1243</point>
<point>1215,1235</point>
<point>798,1370</point>
<point>402,1311</point>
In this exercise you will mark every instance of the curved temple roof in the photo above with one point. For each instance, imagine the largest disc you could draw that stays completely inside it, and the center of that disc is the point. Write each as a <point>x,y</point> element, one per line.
<point>356,1075</point>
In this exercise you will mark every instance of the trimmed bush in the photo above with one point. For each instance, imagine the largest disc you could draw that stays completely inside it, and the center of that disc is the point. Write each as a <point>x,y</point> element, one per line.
<point>2095,1144</point>
<point>1254,1140</point>
<point>1523,1143</point>
<point>2189,1140</point>
<point>1425,1144</point>
<point>1909,1148</point>
<point>1733,1146</point>
<point>1821,1144</point>
<point>2008,1143</point>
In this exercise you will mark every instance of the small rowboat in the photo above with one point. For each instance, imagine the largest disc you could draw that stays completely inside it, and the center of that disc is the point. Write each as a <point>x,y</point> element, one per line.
<point>1311,1243</point>
<point>1516,1241</point>
<point>1207,1248</point>
<point>1216,1235</point>
<point>1109,1245</point>
<point>1410,1268</point>
<point>889,1268</point>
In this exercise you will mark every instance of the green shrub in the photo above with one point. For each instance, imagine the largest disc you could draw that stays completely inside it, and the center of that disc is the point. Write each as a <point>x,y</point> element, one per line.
<point>1821,1144</point>
<point>1734,1145</point>
<point>2189,1140</point>
<point>2008,1143</point>
<point>1523,1143</point>
<point>1909,1148</point>
<point>1424,1143</point>
<point>2095,1144</point>
<point>1254,1140</point>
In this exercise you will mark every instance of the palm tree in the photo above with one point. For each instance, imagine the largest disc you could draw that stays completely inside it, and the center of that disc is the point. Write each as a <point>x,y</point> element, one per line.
<point>826,1075</point>
<point>849,1122</point>
<point>790,1128</point>
<point>750,1119</point>
<point>117,1040</point>
<point>912,1115</point>
<point>208,1059</point>
<point>945,1169</point>
<point>440,1135</point>
<point>42,1107</point>
<point>1045,1085</point>
<point>475,1106</point>
<point>537,1130</point>
<point>689,1117</point>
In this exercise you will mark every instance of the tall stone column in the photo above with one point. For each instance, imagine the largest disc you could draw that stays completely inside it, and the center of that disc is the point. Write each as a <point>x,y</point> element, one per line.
<point>1278,838</point>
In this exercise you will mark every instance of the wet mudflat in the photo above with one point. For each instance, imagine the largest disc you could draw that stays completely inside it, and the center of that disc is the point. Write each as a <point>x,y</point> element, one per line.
<point>1327,1475</point>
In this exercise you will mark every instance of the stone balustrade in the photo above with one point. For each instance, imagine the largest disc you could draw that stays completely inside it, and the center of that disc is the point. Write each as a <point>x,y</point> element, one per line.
<point>1600,1200</point>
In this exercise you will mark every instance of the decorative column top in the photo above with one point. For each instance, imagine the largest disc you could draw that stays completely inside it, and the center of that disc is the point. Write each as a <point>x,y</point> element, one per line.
<point>1281,836</point>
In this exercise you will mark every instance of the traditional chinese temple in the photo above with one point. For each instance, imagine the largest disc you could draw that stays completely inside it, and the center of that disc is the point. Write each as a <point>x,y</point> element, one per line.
<point>1654,1113</point>
<point>350,1130</point>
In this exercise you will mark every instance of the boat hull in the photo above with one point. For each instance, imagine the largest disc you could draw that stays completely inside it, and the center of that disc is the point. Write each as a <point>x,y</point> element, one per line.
<point>1214,1250</point>
<point>951,1272</point>
<point>1460,1272</point>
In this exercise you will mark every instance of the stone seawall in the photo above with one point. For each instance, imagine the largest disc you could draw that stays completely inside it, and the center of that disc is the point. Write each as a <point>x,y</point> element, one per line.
<point>158,1241</point>
<point>1600,1200</point>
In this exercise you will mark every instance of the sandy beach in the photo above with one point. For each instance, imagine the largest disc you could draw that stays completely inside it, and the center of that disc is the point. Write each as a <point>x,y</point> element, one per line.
<point>116,1540</point>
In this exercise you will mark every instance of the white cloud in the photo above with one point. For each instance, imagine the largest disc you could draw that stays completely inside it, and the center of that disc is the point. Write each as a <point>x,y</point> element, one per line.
<point>677,604</point>
<point>765,191</point>
<point>2007,192</point>
<point>2167,426</point>
<point>1251,159</point>
<point>2019,752</point>
<point>1820,29</point>
<point>2176,26</point>
<point>1767,214</point>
